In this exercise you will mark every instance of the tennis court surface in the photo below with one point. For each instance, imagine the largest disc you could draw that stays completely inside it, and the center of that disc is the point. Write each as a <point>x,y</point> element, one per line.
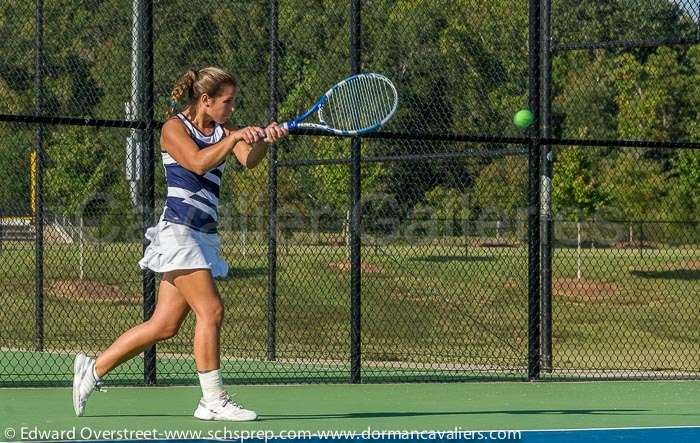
<point>556,412</point>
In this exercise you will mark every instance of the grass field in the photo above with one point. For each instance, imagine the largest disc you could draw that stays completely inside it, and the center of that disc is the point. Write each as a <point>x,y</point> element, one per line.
<point>428,310</point>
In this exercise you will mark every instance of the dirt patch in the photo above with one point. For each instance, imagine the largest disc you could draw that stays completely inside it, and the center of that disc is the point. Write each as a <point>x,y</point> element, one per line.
<point>511,284</point>
<point>90,291</point>
<point>411,296</point>
<point>584,290</point>
<point>365,268</point>
<point>626,244</point>
<point>496,244</point>
<point>689,264</point>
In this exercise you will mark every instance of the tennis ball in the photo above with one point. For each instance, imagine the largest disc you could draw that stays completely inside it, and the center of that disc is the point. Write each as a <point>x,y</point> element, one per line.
<point>523,118</point>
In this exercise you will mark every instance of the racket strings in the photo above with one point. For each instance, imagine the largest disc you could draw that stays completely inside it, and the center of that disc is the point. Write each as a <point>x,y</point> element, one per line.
<point>360,103</point>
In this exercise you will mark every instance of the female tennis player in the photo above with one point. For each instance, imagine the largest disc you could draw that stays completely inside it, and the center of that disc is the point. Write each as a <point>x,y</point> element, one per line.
<point>184,245</point>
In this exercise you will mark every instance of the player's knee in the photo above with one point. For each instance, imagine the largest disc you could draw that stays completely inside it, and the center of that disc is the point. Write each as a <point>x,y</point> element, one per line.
<point>168,331</point>
<point>163,330</point>
<point>213,315</point>
<point>218,314</point>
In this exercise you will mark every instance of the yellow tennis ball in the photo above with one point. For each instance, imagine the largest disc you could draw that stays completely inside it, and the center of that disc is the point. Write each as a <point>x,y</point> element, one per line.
<point>523,118</point>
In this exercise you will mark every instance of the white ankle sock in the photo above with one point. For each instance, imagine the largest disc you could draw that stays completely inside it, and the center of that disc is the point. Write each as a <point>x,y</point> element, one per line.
<point>212,384</point>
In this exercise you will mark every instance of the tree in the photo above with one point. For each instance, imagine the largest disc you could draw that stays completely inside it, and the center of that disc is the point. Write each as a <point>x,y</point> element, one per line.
<point>460,66</point>
<point>683,188</point>
<point>685,195</point>
<point>576,190</point>
<point>586,83</point>
<point>628,93</point>
<point>501,188</point>
<point>76,171</point>
<point>15,182</point>
<point>579,21</point>
<point>651,98</point>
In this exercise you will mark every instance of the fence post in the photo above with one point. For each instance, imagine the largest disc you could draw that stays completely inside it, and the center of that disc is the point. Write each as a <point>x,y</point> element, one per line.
<point>145,17</point>
<point>39,181</point>
<point>546,187</point>
<point>272,196</point>
<point>356,211</point>
<point>533,357</point>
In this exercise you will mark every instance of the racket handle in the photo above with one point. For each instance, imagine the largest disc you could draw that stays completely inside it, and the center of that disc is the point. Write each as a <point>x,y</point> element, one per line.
<point>284,125</point>
<point>290,125</point>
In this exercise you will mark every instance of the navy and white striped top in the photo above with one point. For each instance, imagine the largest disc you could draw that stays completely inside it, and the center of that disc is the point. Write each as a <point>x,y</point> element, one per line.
<point>193,199</point>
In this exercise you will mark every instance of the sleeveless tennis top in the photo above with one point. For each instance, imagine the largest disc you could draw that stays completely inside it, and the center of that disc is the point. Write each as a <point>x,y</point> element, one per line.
<point>193,199</point>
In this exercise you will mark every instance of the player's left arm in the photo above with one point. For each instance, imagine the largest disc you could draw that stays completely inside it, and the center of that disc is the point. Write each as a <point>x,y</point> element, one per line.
<point>250,155</point>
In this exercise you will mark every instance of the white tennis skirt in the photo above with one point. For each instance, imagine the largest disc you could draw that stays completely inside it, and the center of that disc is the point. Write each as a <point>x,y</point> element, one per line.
<point>177,247</point>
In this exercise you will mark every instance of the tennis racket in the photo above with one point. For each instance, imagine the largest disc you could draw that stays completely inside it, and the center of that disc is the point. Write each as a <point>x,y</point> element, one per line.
<point>357,105</point>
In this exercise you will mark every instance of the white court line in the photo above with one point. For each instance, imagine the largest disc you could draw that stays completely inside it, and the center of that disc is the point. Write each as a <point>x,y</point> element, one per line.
<point>609,429</point>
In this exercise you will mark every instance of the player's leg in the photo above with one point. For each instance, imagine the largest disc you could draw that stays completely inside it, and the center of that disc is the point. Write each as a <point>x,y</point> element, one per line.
<point>171,310</point>
<point>199,292</point>
<point>198,288</point>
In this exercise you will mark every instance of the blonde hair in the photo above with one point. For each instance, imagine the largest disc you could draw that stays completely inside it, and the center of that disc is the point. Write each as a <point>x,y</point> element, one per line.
<point>197,82</point>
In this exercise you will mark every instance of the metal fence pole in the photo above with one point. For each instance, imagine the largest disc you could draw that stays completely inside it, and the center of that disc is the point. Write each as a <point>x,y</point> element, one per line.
<point>533,355</point>
<point>272,196</point>
<point>148,191</point>
<point>356,212</point>
<point>39,181</point>
<point>546,187</point>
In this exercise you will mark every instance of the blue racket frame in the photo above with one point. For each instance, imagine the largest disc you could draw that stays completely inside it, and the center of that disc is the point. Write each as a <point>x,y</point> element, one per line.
<point>297,122</point>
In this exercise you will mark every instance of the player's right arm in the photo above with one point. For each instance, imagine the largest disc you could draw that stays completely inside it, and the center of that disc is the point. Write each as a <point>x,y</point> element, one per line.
<point>175,140</point>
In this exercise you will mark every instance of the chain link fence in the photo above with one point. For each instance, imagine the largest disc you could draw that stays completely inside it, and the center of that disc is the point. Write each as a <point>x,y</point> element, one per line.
<point>448,246</point>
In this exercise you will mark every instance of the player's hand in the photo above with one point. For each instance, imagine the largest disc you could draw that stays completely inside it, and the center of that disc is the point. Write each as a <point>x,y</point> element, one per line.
<point>249,134</point>
<point>274,132</point>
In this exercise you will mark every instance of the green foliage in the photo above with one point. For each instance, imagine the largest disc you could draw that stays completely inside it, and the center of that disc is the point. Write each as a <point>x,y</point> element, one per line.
<point>585,103</point>
<point>115,216</point>
<point>461,67</point>
<point>76,171</point>
<point>685,193</point>
<point>602,20</point>
<point>500,189</point>
<point>630,94</point>
<point>448,204</point>
<point>15,187</point>
<point>576,191</point>
<point>650,100</point>
<point>637,187</point>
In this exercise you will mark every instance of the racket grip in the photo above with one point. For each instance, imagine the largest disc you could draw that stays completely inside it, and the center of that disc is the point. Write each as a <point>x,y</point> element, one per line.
<point>290,125</point>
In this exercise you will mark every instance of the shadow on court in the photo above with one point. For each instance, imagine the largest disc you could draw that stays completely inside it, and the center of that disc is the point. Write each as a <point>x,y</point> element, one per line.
<point>135,415</point>
<point>466,413</point>
<point>353,415</point>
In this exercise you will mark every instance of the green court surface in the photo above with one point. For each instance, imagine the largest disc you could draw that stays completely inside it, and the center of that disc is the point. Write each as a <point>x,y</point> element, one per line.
<point>283,408</point>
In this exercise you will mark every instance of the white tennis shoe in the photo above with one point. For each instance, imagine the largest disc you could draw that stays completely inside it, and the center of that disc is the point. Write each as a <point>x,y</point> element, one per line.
<point>83,382</point>
<point>223,409</point>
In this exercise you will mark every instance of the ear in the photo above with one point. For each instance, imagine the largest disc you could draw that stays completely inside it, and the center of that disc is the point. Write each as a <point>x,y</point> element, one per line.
<point>206,100</point>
